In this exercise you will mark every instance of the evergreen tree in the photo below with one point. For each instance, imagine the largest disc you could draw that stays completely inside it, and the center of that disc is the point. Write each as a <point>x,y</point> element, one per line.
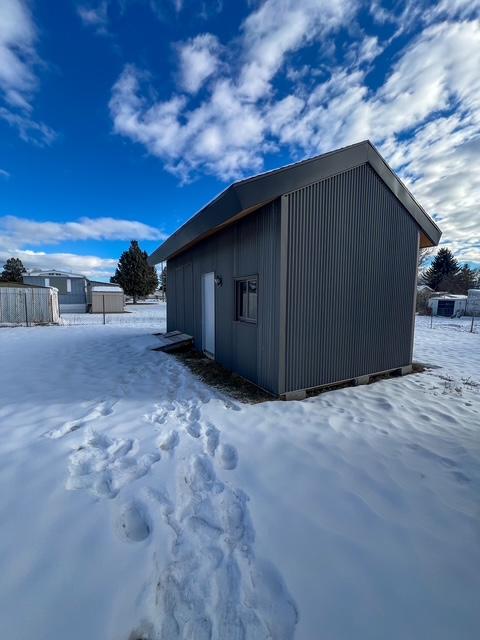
<point>163,281</point>
<point>136,277</point>
<point>465,280</point>
<point>13,270</point>
<point>476,274</point>
<point>443,267</point>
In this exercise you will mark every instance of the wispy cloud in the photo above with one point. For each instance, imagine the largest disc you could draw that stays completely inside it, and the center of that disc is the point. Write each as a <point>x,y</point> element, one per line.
<point>4,174</point>
<point>18,80</point>
<point>95,16</point>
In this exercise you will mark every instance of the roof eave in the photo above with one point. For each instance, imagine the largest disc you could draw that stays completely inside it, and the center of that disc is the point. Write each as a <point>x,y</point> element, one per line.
<point>247,195</point>
<point>430,233</point>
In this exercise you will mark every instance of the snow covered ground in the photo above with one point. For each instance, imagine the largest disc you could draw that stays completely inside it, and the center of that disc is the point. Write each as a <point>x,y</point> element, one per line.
<point>138,503</point>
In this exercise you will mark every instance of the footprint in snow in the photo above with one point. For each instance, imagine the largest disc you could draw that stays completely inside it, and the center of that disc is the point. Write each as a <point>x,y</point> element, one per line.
<point>193,429</point>
<point>227,456</point>
<point>144,632</point>
<point>102,410</point>
<point>132,523</point>
<point>103,465</point>
<point>168,441</point>
<point>213,585</point>
<point>212,439</point>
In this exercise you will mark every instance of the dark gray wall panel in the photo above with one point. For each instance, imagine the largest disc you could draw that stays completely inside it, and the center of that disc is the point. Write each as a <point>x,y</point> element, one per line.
<point>248,247</point>
<point>350,276</point>
<point>268,247</point>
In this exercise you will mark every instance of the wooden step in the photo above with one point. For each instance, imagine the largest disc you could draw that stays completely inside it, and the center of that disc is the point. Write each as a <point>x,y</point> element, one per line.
<point>173,340</point>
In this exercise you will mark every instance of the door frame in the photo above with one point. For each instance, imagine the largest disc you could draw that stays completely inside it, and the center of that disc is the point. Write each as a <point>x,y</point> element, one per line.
<point>211,276</point>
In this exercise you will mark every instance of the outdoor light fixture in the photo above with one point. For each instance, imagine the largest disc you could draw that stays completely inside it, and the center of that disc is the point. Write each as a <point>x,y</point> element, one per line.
<point>218,281</point>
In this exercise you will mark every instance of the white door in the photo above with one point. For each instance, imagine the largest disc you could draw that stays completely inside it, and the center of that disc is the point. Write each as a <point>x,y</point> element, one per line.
<point>208,313</point>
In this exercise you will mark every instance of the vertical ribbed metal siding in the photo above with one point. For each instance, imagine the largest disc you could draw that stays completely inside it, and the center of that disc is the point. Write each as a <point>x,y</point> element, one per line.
<point>248,247</point>
<point>351,268</point>
<point>268,249</point>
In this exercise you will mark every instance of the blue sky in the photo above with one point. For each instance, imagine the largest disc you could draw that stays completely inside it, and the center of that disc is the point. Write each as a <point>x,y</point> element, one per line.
<point>120,118</point>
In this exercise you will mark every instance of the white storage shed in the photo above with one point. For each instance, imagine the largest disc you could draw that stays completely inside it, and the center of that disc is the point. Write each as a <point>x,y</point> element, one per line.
<point>448,305</point>
<point>22,304</point>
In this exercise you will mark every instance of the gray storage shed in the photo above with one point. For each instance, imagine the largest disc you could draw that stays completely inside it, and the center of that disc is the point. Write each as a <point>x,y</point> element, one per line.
<point>286,278</point>
<point>107,299</point>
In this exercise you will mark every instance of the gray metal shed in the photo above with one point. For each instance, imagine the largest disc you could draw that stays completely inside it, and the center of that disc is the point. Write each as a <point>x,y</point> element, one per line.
<point>286,277</point>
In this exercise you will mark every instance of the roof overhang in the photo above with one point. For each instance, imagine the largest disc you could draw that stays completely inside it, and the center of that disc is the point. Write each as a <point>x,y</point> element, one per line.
<point>245,196</point>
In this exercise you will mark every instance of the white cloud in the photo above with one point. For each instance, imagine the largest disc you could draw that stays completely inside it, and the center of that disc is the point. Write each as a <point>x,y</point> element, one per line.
<point>425,117</point>
<point>95,16</point>
<point>18,81</point>
<point>25,232</point>
<point>369,49</point>
<point>4,174</point>
<point>91,266</point>
<point>226,134</point>
<point>18,235</point>
<point>198,60</point>
<point>453,9</point>
<point>17,37</point>
<point>29,130</point>
<point>278,28</point>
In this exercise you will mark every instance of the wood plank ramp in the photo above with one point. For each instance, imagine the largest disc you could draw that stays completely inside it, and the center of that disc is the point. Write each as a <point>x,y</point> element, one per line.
<point>173,340</point>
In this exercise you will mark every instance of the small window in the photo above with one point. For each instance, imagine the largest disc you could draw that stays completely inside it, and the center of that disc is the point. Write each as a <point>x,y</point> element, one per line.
<point>69,285</point>
<point>47,282</point>
<point>246,295</point>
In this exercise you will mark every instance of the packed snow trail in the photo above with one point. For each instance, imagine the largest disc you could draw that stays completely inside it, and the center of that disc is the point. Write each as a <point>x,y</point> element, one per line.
<point>212,585</point>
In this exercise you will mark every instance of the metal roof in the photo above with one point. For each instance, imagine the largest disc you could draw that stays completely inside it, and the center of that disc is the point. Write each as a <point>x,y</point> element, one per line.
<point>54,273</point>
<point>245,196</point>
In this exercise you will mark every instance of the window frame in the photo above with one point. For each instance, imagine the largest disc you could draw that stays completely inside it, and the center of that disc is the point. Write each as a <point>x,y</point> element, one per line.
<point>238,317</point>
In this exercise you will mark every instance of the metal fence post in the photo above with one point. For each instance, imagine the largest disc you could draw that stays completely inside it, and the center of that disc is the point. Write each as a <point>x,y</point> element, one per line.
<point>26,308</point>
<point>471,326</point>
<point>103,301</point>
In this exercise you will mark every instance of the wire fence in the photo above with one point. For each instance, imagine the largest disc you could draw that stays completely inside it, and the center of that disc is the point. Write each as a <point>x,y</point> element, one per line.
<point>141,314</point>
<point>460,322</point>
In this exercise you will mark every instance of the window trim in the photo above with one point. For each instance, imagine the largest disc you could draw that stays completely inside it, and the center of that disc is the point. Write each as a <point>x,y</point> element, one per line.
<point>238,317</point>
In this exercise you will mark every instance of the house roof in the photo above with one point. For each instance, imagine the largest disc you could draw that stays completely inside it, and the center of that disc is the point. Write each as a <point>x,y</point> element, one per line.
<point>245,196</point>
<point>55,273</point>
<point>106,289</point>
<point>95,283</point>
<point>424,287</point>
